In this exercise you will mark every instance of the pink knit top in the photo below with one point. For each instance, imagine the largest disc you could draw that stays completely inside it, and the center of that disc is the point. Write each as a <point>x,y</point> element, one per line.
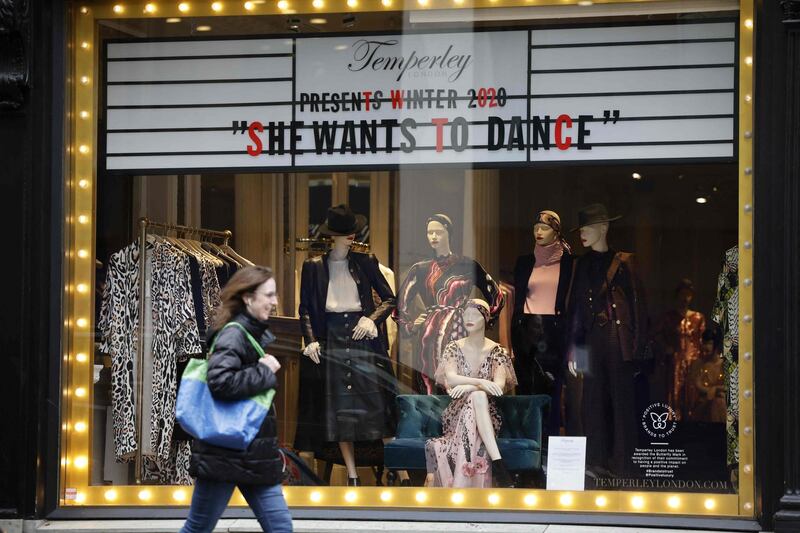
<point>543,283</point>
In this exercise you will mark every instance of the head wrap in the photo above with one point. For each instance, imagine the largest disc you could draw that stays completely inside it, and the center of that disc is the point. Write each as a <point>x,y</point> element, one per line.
<point>552,220</point>
<point>482,307</point>
<point>444,220</point>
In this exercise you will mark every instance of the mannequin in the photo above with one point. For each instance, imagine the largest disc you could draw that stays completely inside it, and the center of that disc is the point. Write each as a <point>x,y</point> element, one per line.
<point>474,371</point>
<point>541,280</point>
<point>679,337</point>
<point>443,284</point>
<point>607,329</point>
<point>347,385</point>
<point>708,378</point>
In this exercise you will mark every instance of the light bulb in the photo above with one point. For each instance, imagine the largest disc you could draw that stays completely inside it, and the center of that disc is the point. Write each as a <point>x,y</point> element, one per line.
<point>84,114</point>
<point>530,499</point>
<point>565,499</point>
<point>83,149</point>
<point>709,504</point>
<point>144,495</point>
<point>494,498</point>
<point>83,254</point>
<point>80,427</point>
<point>82,287</point>
<point>217,6</point>
<point>318,4</point>
<point>421,497</point>
<point>81,461</point>
<point>637,502</point>
<point>82,322</point>
<point>83,219</point>
<point>386,496</point>
<point>457,498</point>
<point>601,501</point>
<point>179,495</point>
<point>150,8</point>
<point>83,184</point>
<point>173,20</point>
<point>249,6</point>
<point>203,28</point>
<point>352,3</point>
<point>81,357</point>
<point>80,392</point>
<point>315,496</point>
<point>85,45</point>
<point>748,23</point>
<point>119,9</point>
<point>84,10</point>
<point>748,61</point>
<point>350,496</point>
<point>111,495</point>
<point>283,5</point>
<point>673,502</point>
<point>80,497</point>
<point>183,7</point>
<point>85,80</point>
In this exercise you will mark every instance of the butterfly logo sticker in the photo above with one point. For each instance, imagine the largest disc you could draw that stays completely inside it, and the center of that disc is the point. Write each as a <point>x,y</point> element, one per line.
<point>659,420</point>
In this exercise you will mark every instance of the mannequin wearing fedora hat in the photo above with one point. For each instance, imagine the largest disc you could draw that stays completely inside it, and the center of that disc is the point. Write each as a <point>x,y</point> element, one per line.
<point>541,280</point>
<point>606,335</point>
<point>444,284</point>
<point>347,384</point>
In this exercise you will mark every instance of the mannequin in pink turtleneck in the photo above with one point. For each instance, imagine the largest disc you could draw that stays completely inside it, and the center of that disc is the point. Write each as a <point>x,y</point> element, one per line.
<point>540,285</point>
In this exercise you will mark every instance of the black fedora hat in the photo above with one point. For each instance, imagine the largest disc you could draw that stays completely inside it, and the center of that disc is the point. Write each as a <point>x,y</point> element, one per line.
<point>342,221</point>
<point>594,214</point>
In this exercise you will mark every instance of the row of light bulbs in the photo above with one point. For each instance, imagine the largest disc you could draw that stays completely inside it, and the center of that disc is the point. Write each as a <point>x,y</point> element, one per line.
<point>217,7</point>
<point>351,496</point>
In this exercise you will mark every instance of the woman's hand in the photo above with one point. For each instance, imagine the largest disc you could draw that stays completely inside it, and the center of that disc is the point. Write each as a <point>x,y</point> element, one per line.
<point>491,388</point>
<point>270,362</point>
<point>460,390</point>
<point>312,351</point>
<point>365,328</point>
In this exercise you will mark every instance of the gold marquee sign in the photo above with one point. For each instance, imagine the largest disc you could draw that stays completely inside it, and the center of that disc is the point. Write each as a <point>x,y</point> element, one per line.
<point>75,486</point>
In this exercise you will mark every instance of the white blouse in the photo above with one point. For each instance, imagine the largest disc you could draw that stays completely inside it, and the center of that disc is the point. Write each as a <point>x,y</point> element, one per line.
<point>342,289</point>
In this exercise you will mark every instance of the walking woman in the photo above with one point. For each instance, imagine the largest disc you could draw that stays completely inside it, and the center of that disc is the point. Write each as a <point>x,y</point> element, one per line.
<point>236,370</point>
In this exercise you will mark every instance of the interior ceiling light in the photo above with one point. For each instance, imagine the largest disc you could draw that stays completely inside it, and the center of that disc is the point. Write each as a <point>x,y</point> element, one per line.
<point>701,200</point>
<point>636,176</point>
<point>318,21</point>
<point>173,20</point>
<point>203,28</point>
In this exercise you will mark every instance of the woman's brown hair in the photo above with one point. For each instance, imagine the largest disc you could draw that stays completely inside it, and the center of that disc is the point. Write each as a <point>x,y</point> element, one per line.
<point>244,281</point>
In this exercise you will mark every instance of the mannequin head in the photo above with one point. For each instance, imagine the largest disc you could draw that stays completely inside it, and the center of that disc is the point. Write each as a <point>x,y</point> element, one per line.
<point>342,243</point>
<point>595,236</point>
<point>476,316</point>
<point>438,231</point>
<point>262,300</point>
<point>547,228</point>
<point>684,294</point>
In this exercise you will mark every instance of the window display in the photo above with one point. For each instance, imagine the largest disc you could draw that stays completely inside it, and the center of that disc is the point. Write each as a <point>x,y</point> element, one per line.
<point>473,256</point>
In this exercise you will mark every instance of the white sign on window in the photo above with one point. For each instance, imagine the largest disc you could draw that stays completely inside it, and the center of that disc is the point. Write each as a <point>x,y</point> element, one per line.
<point>494,98</point>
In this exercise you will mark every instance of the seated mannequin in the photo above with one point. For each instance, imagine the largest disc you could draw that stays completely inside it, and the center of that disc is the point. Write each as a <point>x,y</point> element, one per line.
<point>474,371</point>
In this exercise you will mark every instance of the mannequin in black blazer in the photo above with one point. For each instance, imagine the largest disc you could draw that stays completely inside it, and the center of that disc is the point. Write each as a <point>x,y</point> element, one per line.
<point>541,282</point>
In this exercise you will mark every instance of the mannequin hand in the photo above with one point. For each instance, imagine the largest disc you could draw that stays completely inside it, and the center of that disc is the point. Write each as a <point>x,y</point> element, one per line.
<point>312,351</point>
<point>460,390</point>
<point>270,362</point>
<point>573,368</point>
<point>420,320</point>
<point>365,328</point>
<point>491,388</point>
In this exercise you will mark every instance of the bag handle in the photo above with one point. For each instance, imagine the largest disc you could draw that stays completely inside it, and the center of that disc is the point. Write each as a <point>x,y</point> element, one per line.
<point>254,342</point>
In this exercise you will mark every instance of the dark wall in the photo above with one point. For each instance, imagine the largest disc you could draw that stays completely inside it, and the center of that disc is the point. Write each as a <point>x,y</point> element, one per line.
<point>31,47</point>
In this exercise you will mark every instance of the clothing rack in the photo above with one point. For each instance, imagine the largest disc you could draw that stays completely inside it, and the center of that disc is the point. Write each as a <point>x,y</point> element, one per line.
<point>145,225</point>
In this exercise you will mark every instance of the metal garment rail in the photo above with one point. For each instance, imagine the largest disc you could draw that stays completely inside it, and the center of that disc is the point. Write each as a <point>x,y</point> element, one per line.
<point>181,231</point>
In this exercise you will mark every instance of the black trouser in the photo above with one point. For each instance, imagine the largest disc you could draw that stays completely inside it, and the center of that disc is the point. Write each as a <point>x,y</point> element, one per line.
<point>608,402</point>
<point>537,352</point>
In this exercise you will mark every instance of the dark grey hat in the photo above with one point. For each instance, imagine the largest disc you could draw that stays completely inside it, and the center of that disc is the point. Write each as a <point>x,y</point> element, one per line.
<point>594,214</point>
<point>342,221</point>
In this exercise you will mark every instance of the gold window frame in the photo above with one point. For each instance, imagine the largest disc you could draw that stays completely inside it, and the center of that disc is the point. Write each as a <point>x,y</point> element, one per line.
<point>75,489</point>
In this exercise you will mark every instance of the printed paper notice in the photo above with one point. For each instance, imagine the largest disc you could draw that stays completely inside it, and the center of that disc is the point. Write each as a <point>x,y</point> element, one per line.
<point>566,463</point>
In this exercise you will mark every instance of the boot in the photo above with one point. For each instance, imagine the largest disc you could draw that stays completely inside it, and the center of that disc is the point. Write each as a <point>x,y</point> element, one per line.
<point>500,476</point>
<point>354,481</point>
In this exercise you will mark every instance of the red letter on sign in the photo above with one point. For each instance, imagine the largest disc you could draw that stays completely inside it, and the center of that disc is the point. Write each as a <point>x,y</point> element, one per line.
<point>565,143</point>
<point>439,123</point>
<point>258,148</point>
<point>367,95</point>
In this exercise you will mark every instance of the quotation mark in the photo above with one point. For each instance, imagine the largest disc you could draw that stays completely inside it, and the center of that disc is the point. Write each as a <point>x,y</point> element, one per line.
<point>239,126</point>
<point>607,116</point>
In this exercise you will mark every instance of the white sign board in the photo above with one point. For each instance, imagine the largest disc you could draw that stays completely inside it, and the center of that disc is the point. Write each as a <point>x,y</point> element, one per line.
<point>566,463</point>
<point>491,98</point>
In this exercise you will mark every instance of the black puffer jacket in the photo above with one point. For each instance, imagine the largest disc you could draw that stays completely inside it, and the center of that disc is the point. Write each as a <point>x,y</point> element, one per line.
<point>235,373</point>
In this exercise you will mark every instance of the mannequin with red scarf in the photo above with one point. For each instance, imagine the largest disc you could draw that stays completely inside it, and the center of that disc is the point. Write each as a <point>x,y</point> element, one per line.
<point>444,284</point>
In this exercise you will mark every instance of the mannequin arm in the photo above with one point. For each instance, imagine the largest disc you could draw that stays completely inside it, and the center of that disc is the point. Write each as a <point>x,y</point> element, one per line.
<point>306,297</point>
<point>381,286</point>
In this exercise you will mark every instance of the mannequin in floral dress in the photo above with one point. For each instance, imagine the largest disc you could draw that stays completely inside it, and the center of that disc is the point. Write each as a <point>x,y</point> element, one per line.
<point>443,284</point>
<point>679,335</point>
<point>474,371</point>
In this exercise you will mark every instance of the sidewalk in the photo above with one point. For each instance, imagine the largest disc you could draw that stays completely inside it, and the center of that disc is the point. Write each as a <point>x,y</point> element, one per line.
<point>316,526</point>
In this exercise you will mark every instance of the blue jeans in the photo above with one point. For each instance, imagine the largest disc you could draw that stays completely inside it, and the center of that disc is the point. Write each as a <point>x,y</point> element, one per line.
<point>211,497</point>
